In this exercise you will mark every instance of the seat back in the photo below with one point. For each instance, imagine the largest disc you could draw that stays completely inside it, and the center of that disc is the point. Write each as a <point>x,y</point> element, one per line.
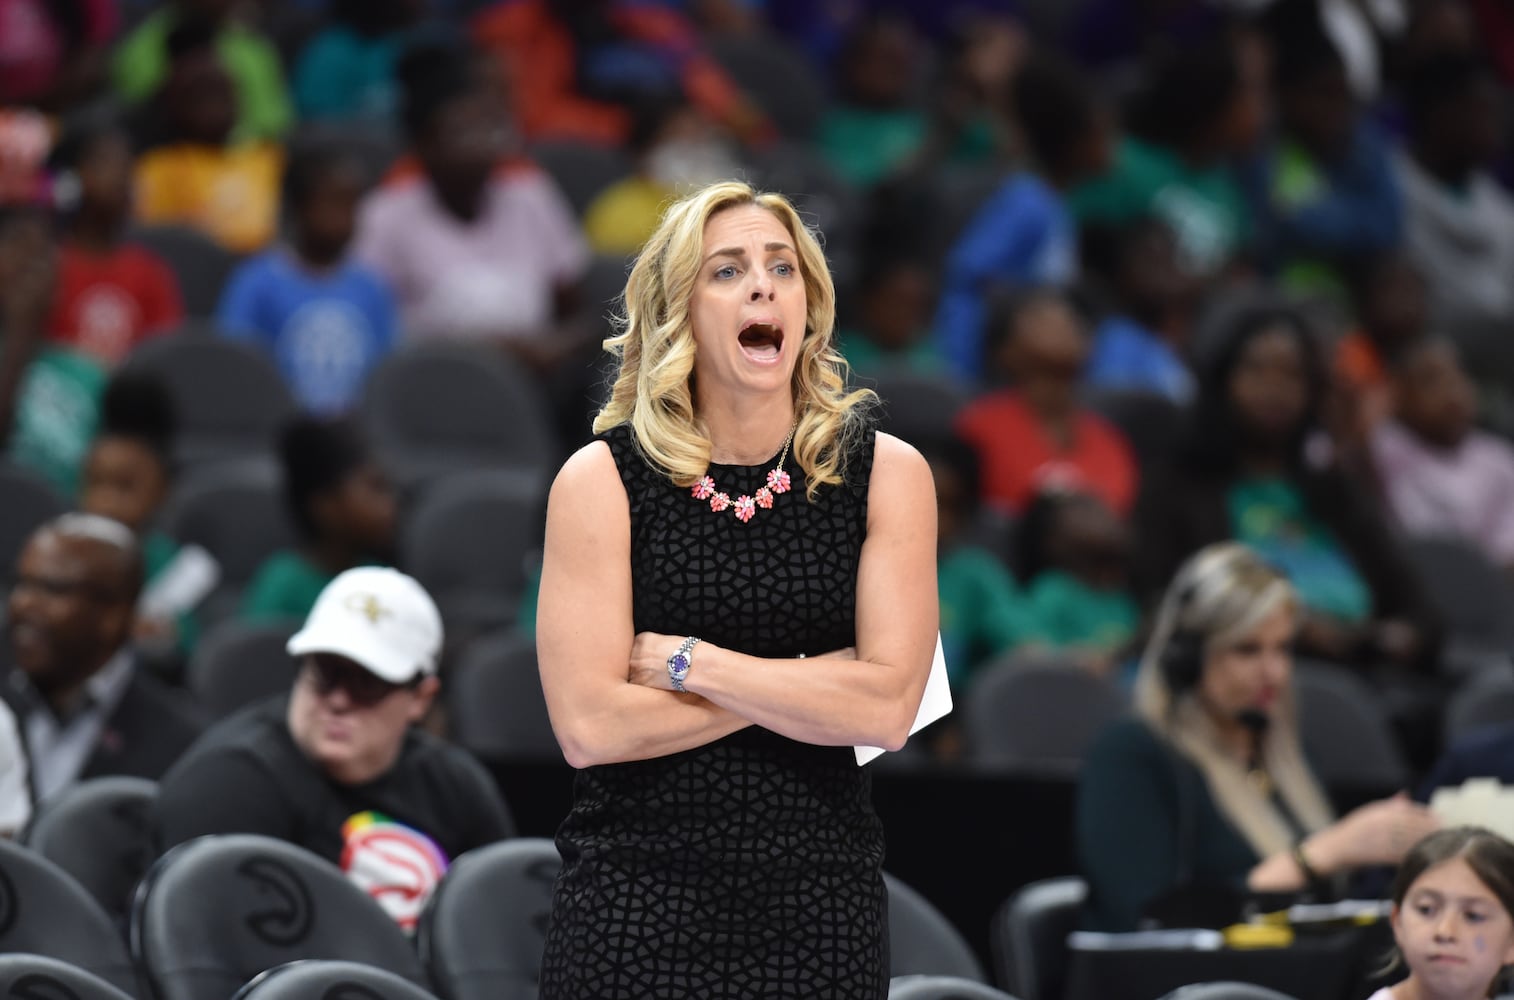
<point>228,397</point>
<point>436,409</point>
<point>217,911</point>
<point>1345,730</point>
<point>238,663</point>
<point>1152,424</point>
<point>201,265</point>
<point>483,931</point>
<point>1481,702</point>
<point>1039,715</point>
<point>43,911</point>
<point>941,988</point>
<point>495,702</point>
<point>23,976</point>
<point>917,407</point>
<point>236,512</point>
<point>581,169</point>
<point>313,979</point>
<point>777,77</point>
<point>104,833</point>
<point>1225,991</point>
<point>1028,939</point>
<point>26,502</point>
<point>921,941</point>
<point>1471,593</point>
<point>469,541</point>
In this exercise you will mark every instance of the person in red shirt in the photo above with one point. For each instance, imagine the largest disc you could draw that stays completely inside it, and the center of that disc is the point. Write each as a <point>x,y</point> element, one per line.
<point>112,293</point>
<point>1035,434</point>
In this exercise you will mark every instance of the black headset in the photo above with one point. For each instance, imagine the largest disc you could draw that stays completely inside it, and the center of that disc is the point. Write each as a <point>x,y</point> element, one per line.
<point>1182,658</point>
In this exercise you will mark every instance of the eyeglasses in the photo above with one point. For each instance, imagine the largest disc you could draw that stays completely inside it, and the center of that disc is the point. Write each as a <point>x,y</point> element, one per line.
<point>363,689</point>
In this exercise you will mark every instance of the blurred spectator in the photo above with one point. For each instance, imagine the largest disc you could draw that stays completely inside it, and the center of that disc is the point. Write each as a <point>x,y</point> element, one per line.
<point>1206,793</point>
<point>1251,470</point>
<point>201,177</point>
<point>677,149</point>
<point>474,249</point>
<point>144,62</point>
<point>112,293</point>
<point>322,317</point>
<point>1459,223</point>
<point>1201,105</point>
<point>26,138</point>
<point>574,65</point>
<point>876,126</point>
<point>1036,435</point>
<point>1024,235</point>
<point>49,394</point>
<point>1441,475</point>
<point>127,476</point>
<point>1074,561</point>
<point>339,766</point>
<point>1392,311</point>
<point>981,615</point>
<point>894,300</point>
<point>1147,302</point>
<point>52,52</point>
<point>84,706</point>
<point>1323,187</point>
<point>347,71</point>
<point>342,507</point>
<point>970,120</point>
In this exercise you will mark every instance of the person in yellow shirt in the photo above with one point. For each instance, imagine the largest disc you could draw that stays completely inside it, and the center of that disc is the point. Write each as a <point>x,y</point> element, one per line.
<point>199,177</point>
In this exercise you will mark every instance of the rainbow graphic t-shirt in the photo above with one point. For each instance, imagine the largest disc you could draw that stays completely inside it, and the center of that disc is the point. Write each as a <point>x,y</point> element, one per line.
<point>399,866</point>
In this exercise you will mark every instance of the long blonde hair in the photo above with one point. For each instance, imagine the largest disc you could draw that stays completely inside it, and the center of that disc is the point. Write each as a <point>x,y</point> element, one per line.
<point>1222,594</point>
<point>655,345</point>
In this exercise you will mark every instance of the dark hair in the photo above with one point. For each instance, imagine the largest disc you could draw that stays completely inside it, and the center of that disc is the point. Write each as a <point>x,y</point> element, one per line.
<point>370,18</point>
<point>1490,857</point>
<point>318,456</point>
<point>431,74</point>
<point>1214,430</point>
<point>308,165</point>
<point>1055,105</point>
<point>1033,533</point>
<point>192,34</point>
<point>959,456</point>
<point>1188,90</point>
<point>650,114</point>
<point>1440,80</point>
<point>138,407</point>
<point>1301,50</point>
<point>1403,355</point>
<point>82,133</point>
<point>1103,247</point>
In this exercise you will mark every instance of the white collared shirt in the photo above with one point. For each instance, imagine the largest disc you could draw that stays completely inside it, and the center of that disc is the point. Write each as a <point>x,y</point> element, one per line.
<point>15,787</point>
<point>61,748</point>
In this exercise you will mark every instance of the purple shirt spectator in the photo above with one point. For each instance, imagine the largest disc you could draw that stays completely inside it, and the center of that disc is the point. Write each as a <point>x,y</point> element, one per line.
<point>1462,491</point>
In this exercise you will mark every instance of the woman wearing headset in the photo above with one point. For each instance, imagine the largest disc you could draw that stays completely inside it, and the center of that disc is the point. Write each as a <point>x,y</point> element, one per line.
<point>1207,786</point>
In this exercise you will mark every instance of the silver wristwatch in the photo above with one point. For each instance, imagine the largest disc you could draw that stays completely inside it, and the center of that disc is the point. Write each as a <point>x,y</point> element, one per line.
<point>679,663</point>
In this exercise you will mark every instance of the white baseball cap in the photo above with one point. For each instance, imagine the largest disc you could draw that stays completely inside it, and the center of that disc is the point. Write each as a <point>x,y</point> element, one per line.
<point>378,618</point>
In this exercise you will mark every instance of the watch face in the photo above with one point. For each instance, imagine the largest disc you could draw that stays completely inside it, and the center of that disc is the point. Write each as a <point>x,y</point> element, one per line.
<point>679,663</point>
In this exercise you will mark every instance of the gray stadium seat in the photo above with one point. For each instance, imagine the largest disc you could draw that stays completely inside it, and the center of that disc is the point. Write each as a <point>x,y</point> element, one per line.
<point>495,703</point>
<point>104,833</point>
<point>23,976</point>
<point>1472,594</point>
<point>217,911</point>
<point>941,988</point>
<point>43,911</point>
<point>921,941</point>
<point>1029,936</point>
<point>1481,702</point>
<point>776,77</point>
<point>916,407</point>
<point>437,409</point>
<point>1225,991</point>
<point>26,501</point>
<point>325,980</point>
<point>483,930</point>
<point>201,265</point>
<point>237,663</point>
<point>229,399</point>
<point>1036,714</point>
<point>1345,730</point>
<point>581,169</point>
<point>1152,424</point>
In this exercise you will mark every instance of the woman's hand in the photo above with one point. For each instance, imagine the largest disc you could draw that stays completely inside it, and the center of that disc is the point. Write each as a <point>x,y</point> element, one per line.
<point>1378,833</point>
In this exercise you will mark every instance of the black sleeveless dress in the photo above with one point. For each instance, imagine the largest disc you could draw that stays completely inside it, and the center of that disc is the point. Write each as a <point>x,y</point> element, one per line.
<point>751,866</point>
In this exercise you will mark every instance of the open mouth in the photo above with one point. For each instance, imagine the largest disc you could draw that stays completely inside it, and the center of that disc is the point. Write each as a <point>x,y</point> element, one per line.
<point>761,340</point>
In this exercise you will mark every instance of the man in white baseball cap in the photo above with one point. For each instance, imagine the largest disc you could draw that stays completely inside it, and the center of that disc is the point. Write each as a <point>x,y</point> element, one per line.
<point>340,766</point>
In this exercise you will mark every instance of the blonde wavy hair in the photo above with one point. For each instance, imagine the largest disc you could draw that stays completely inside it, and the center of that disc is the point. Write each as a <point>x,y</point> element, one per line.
<point>655,345</point>
<point>1223,593</point>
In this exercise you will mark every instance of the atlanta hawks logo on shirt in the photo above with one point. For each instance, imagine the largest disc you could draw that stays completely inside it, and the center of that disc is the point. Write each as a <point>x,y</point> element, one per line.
<point>395,864</point>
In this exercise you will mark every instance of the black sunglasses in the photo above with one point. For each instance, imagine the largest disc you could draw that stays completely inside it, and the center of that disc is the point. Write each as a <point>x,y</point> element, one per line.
<point>363,689</point>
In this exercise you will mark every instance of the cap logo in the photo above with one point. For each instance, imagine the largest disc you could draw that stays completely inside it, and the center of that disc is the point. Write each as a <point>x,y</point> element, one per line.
<point>368,606</point>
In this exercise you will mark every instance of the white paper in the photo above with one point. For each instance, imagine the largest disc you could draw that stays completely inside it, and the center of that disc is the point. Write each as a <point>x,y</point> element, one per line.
<point>181,585</point>
<point>934,703</point>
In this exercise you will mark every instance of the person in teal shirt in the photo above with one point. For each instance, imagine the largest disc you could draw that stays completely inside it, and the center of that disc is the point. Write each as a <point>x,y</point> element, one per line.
<point>347,71</point>
<point>1074,567</point>
<point>343,509</point>
<point>875,128</point>
<point>890,331</point>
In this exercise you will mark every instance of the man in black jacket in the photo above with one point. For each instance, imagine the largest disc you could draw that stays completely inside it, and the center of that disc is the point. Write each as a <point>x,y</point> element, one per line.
<point>82,706</point>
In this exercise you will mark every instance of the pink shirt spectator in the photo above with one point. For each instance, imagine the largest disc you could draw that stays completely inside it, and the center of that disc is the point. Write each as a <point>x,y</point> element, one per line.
<point>493,278</point>
<point>1462,492</point>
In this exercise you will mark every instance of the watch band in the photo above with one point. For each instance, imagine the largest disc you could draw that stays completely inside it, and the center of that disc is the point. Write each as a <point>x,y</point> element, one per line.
<point>680,662</point>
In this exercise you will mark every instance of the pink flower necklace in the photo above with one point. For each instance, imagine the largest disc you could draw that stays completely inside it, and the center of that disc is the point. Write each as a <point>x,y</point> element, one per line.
<point>745,507</point>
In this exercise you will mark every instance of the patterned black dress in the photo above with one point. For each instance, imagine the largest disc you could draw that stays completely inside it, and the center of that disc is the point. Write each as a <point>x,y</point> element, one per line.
<point>749,867</point>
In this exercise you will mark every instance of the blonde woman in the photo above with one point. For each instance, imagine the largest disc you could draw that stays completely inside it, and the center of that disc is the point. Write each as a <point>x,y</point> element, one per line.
<point>739,585</point>
<point>1207,786</point>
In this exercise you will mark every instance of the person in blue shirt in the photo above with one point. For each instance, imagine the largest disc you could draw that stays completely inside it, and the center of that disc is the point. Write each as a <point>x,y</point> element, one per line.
<point>1024,235</point>
<point>1147,302</point>
<point>324,318</point>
